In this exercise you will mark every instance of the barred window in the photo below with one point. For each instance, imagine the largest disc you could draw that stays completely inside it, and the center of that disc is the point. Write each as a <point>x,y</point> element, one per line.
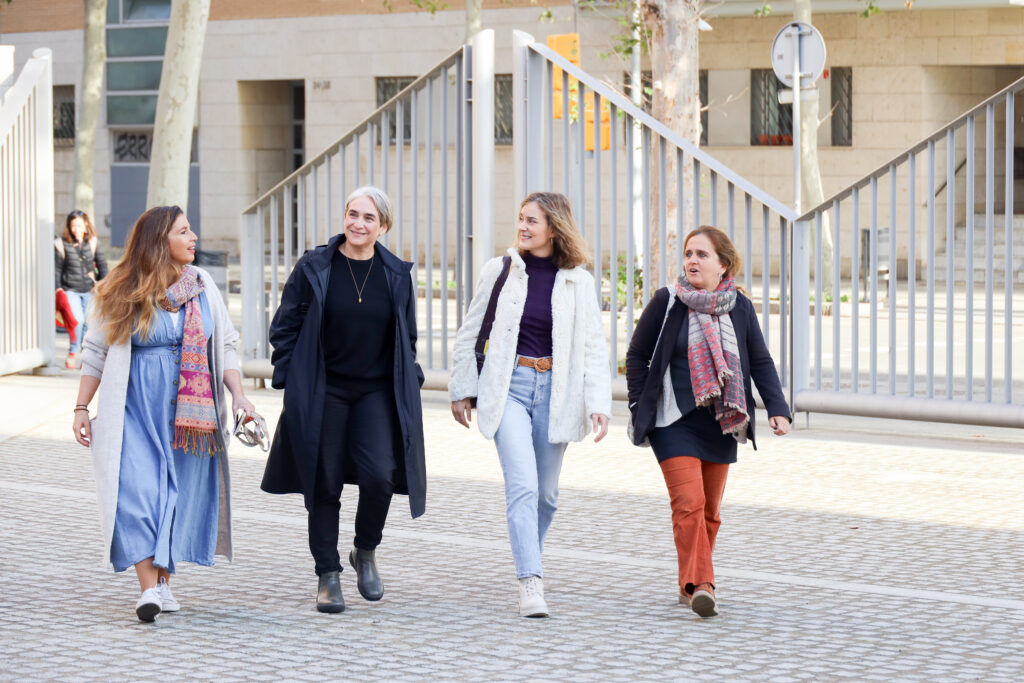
<point>771,123</point>
<point>63,115</point>
<point>646,84</point>
<point>842,105</point>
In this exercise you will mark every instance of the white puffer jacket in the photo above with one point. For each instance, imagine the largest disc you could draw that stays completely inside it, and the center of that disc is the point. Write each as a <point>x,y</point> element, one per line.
<point>580,374</point>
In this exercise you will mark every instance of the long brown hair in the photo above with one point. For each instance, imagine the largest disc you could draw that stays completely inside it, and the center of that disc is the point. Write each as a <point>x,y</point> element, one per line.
<point>726,250</point>
<point>570,249</point>
<point>127,299</point>
<point>90,230</point>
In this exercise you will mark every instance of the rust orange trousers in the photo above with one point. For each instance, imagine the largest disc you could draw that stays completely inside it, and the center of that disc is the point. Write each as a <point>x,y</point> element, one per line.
<point>695,491</point>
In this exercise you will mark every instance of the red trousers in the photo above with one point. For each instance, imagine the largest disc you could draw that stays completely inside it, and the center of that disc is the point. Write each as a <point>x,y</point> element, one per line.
<point>695,491</point>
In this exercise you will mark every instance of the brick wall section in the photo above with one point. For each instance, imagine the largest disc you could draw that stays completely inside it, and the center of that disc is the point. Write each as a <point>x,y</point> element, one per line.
<point>52,15</point>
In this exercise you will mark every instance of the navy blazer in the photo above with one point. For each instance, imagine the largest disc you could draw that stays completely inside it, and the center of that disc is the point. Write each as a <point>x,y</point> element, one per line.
<point>650,355</point>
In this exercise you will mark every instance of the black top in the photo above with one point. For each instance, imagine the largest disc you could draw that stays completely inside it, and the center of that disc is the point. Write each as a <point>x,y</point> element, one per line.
<point>697,433</point>
<point>535,325</point>
<point>72,268</point>
<point>359,338</point>
<point>654,343</point>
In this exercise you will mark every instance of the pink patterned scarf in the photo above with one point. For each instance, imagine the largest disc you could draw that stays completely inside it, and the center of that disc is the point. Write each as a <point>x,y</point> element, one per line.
<point>716,374</point>
<point>195,417</point>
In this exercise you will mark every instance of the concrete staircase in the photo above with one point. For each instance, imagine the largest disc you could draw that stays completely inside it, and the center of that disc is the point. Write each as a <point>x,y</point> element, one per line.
<point>999,251</point>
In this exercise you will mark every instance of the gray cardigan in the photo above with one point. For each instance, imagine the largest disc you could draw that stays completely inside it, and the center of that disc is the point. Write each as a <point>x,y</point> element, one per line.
<point>111,365</point>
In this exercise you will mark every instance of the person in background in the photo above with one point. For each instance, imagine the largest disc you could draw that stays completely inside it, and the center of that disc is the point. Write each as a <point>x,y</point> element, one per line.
<point>344,339</point>
<point>689,365</point>
<point>160,349</point>
<point>78,265</point>
<point>545,379</point>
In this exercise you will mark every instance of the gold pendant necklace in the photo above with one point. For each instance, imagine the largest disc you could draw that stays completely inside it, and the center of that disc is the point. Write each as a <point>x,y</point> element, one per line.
<point>359,289</point>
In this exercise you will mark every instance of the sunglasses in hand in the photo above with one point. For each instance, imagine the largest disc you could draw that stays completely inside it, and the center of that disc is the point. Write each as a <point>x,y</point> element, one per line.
<point>251,429</point>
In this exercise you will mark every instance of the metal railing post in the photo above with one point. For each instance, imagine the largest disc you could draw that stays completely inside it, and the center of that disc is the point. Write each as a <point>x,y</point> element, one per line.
<point>44,204</point>
<point>800,351</point>
<point>483,149</point>
<point>252,284</point>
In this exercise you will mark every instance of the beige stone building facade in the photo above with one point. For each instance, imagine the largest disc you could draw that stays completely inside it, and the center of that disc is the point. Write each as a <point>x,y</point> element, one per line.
<point>282,80</point>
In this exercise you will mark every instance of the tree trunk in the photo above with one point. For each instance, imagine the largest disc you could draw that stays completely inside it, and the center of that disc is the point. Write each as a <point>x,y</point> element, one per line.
<point>676,102</point>
<point>93,58</point>
<point>176,105</point>
<point>810,170</point>
<point>473,24</point>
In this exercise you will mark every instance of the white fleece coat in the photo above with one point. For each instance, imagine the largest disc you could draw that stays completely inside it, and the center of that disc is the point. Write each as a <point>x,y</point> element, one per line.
<point>111,365</point>
<point>580,374</point>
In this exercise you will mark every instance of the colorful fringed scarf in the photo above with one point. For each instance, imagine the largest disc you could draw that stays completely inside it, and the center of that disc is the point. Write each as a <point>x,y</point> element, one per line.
<point>195,415</point>
<point>716,374</point>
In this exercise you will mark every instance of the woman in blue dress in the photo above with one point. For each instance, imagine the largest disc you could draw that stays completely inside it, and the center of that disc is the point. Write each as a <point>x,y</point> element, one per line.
<point>160,349</point>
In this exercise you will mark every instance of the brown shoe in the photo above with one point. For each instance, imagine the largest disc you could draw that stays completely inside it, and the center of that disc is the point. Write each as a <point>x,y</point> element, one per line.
<point>703,601</point>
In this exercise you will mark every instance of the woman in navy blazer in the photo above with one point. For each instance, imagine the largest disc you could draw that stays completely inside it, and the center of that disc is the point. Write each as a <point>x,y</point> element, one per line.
<point>689,369</point>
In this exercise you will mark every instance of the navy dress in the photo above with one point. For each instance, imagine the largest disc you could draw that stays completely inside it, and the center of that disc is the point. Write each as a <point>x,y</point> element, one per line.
<point>697,433</point>
<point>167,499</point>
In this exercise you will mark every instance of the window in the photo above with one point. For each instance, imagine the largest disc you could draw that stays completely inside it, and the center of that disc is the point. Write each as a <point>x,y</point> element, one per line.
<point>388,87</point>
<point>771,123</point>
<point>646,83</point>
<point>503,109</point>
<point>132,147</point>
<point>63,115</point>
<point>144,41</point>
<point>123,11</point>
<point>842,105</point>
<point>135,146</point>
<point>298,125</point>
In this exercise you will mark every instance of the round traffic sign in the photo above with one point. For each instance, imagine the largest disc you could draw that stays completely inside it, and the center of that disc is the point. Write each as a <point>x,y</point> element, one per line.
<point>798,38</point>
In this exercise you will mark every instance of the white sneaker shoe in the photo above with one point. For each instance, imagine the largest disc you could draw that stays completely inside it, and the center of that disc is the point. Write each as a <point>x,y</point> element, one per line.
<point>531,597</point>
<point>167,601</point>
<point>148,606</point>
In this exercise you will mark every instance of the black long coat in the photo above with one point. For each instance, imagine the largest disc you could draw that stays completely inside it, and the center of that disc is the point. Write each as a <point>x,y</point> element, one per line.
<point>297,336</point>
<point>650,354</point>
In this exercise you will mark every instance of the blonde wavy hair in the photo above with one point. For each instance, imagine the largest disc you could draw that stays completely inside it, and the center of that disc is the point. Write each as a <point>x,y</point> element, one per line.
<point>569,246</point>
<point>128,298</point>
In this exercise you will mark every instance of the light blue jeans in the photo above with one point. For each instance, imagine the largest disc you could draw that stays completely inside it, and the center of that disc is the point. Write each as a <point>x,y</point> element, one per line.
<point>79,302</point>
<point>531,465</point>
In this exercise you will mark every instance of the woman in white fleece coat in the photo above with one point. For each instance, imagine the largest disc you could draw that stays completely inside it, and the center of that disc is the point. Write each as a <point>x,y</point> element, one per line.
<point>545,378</point>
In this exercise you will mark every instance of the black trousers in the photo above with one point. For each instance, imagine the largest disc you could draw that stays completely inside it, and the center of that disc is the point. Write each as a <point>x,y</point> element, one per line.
<point>358,434</point>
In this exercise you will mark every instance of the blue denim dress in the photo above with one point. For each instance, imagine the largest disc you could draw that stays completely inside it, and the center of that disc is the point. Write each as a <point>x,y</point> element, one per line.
<point>167,499</point>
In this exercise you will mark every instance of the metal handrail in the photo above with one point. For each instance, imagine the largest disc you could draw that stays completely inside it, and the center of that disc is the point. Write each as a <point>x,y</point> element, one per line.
<point>357,129</point>
<point>1014,88</point>
<point>626,106</point>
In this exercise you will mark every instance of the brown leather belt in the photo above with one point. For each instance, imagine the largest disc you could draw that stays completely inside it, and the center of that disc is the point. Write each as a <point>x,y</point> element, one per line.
<point>538,364</point>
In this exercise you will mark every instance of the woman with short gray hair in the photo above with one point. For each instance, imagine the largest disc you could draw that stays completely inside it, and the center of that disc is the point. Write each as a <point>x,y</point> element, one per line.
<point>344,341</point>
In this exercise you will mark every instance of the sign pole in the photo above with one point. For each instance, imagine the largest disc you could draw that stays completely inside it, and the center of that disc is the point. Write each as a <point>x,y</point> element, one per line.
<point>797,92</point>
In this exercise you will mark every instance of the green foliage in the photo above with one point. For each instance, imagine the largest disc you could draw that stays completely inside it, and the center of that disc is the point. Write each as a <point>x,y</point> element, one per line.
<point>764,10</point>
<point>870,10</point>
<point>623,43</point>
<point>622,287</point>
<point>432,6</point>
<point>547,17</point>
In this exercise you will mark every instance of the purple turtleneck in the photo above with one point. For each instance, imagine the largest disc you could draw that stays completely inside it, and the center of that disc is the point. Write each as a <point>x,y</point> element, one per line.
<point>535,325</point>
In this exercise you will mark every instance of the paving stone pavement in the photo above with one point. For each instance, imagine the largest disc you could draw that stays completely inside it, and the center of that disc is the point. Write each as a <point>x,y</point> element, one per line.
<point>854,549</point>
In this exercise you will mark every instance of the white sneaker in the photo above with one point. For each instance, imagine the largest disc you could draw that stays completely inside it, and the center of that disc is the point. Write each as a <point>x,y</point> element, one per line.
<point>531,597</point>
<point>167,601</point>
<point>148,606</point>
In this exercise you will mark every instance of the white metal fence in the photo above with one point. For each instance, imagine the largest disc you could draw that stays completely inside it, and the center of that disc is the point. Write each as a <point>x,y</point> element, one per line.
<point>626,178</point>
<point>925,325</point>
<point>907,325</point>
<point>27,336</point>
<point>419,148</point>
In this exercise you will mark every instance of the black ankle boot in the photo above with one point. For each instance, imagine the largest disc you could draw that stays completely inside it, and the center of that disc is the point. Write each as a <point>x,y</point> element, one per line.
<point>328,596</point>
<point>367,579</point>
